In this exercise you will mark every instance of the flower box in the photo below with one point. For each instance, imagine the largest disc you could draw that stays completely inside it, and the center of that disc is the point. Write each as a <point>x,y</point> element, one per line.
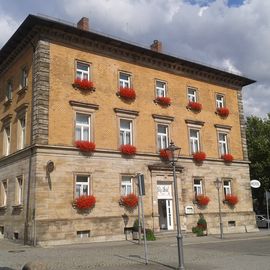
<point>85,146</point>
<point>227,158</point>
<point>232,200</point>
<point>199,156</point>
<point>128,149</point>
<point>129,201</point>
<point>85,202</point>
<point>202,200</point>
<point>163,101</point>
<point>164,154</point>
<point>127,93</point>
<point>84,84</point>
<point>194,106</point>
<point>223,111</point>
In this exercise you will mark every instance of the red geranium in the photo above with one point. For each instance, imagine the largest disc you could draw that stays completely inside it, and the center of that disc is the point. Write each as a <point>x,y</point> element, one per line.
<point>164,154</point>
<point>165,101</point>
<point>85,146</point>
<point>83,84</point>
<point>231,199</point>
<point>127,93</point>
<point>223,111</point>
<point>130,200</point>
<point>85,202</point>
<point>202,200</point>
<point>195,106</point>
<point>128,149</point>
<point>227,157</point>
<point>199,156</point>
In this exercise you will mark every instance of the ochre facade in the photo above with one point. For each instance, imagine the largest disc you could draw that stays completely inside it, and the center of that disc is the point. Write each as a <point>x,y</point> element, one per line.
<point>46,214</point>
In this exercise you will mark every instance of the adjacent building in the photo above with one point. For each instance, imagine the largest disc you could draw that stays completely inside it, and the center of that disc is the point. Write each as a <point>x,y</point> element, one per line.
<point>83,114</point>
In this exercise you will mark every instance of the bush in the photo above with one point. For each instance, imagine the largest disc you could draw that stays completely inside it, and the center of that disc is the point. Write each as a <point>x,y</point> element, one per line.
<point>198,231</point>
<point>201,226</point>
<point>150,235</point>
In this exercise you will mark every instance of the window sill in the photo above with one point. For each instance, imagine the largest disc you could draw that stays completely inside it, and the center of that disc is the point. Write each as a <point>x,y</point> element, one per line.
<point>3,208</point>
<point>23,90</point>
<point>7,102</point>
<point>17,206</point>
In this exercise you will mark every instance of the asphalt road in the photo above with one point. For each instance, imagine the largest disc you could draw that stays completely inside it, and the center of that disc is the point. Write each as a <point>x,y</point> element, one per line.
<point>234,252</point>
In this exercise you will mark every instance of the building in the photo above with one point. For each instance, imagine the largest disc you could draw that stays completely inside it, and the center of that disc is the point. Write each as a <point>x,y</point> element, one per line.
<point>46,112</point>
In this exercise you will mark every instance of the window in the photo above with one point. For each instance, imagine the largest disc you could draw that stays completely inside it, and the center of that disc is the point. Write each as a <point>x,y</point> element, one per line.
<point>19,191</point>
<point>125,131</point>
<point>82,185</point>
<point>160,89</point>
<point>82,127</point>
<point>124,80</point>
<point>3,193</point>
<point>197,184</point>
<point>163,136</point>
<point>21,133</point>
<point>9,91</point>
<point>24,78</point>
<point>126,185</point>
<point>227,187</point>
<point>83,71</point>
<point>223,143</point>
<point>7,140</point>
<point>194,140</point>
<point>219,101</point>
<point>192,94</point>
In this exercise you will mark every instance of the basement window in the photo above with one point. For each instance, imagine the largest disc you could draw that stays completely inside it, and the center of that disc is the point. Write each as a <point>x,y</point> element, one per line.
<point>1,230</point>
<point>83,234</point>
<point>231,223</point>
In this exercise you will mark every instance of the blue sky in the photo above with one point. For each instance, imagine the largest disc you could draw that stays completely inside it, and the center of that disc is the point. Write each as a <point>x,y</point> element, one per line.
<point>227,34</point>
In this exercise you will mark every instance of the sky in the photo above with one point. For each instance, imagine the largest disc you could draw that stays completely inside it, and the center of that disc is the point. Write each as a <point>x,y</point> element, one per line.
<point>232,35</point>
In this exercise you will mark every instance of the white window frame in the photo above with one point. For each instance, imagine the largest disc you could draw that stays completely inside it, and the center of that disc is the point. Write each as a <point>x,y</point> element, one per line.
<point>161,91</point>
<point>81,73</point>
<point>194,142</point>
<point>22,132</point>
<point>227,187</point>
<point>24,78</point>
<point>9,90</point>
<point>220,101</point>
<point>163,138</point>
<point>192,96</point>
<point>19,190</point>
<point>7,139</point>
<point>126,185</point>
<point>124,82</point>
<point>3,192</point>
<point>83,127</point>
<point>82,184</point>
<point>223,143</point>
<point>124,132</point>
<point>198,187</point>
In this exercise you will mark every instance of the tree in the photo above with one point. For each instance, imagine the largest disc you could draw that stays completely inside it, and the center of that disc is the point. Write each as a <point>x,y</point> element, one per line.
<point>258,143</point>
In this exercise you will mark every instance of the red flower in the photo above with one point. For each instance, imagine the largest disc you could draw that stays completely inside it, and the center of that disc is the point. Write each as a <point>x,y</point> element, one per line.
<point>83,84</point>
<point>130,200</point>
<point>202,200</point>
<point>227,157</point>
<point>85,146</point>
<point>231,199</point>
<point>164,154</point>
<point>195,106</point>
<point>199,156</point>
<point>128,149</point>
<point>165,101</point>
<point>85,202</point>
<point>127,93</point>
<point>223,111</point>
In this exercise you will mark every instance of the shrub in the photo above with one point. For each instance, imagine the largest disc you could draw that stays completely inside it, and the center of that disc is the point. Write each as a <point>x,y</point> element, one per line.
<point>150,236</point>
<point>201,226</point>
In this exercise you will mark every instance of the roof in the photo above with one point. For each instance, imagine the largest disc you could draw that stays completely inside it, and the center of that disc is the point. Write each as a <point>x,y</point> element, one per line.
<point>25,29</point>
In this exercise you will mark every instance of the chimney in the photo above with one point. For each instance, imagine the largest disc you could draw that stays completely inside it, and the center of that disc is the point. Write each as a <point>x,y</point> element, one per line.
<point>156,46</point>
<point>83,24</point>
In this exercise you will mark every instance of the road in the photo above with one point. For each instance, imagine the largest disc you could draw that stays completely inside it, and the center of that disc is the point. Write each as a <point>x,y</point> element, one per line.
<point>236,251</point>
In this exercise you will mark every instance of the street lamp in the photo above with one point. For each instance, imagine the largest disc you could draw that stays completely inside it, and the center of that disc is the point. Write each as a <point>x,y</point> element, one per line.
<point>218,184</point>
<point>173,159</point>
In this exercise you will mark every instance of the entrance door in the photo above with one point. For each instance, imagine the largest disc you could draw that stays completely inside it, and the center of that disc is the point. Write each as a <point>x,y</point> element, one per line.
<point>165,214</point>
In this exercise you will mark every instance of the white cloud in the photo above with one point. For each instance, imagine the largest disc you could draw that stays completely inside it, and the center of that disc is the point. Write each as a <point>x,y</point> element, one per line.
<point>7,26</point>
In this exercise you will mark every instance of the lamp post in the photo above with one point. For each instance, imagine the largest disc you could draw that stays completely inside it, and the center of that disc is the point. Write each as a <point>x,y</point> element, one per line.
<point>218,184</point>
<point>173,159</point>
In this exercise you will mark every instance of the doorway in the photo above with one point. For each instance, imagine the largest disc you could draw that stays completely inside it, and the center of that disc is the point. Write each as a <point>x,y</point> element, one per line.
<point>165,214</point>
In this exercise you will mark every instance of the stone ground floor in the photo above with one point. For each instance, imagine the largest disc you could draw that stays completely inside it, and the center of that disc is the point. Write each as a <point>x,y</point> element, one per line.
<point>46,214</point>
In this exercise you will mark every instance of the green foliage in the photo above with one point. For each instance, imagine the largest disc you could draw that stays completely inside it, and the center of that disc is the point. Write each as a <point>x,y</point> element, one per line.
<point>258,143</point>
<point>198,231</point>
<point>201,226</point>
<point>150,235</point>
